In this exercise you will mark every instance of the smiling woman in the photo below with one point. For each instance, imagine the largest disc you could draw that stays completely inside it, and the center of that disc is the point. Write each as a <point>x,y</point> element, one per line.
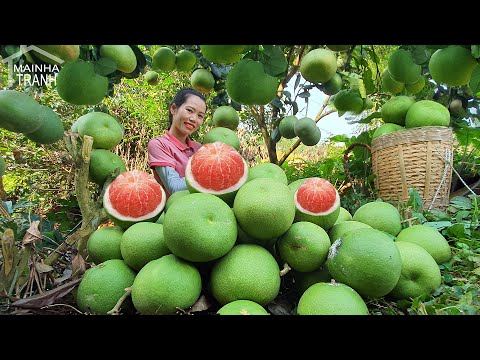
<point>168,154</point>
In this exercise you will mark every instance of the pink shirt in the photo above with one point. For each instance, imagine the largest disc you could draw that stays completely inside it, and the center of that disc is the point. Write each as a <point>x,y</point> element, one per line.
<point>167,150</point>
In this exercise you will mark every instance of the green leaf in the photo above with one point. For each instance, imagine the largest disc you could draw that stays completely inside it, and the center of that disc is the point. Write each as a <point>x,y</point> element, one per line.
<point>457,231</point>
<point>11,49</point>
<point>461,202</point>
<point>295,108</point>
<point>368,81</point>
<point>277,103</point>
<point>297,81</point>
<point>105,66</point>
<point>361,88</point>
<point>340,138</point>
<point>476,51</point>
<point>439,225</point>
<point>475,81</point>
<point>420,54</point>
<point>366,120</point>
<point>304,94</point>
<point>275,62</point>
<point>276,135</point>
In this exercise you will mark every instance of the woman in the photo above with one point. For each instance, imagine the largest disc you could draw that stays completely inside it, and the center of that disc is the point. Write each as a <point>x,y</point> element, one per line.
<point>168,154</point>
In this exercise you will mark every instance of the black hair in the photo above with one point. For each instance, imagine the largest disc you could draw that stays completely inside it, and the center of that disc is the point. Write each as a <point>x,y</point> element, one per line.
<point>180,98</point>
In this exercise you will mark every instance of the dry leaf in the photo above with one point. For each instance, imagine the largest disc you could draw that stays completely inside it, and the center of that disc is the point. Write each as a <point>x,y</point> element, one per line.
<point>43,268</point>
<point>48,297</point>
<point>203,303</point>
<point>78,265</point>
<point>33,233</point>
<point>8,245</point>
<point>66,274</point>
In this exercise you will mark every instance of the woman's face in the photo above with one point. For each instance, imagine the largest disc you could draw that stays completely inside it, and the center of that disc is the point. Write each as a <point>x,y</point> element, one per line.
<point>188,118</point>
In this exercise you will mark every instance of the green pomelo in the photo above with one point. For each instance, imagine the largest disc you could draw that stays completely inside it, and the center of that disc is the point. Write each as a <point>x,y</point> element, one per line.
<point>366,260</point>
<point>287,125</point>
<point>389,84</point>
<point>165,284</point>
<point>244,238</point>
<point>206,234</point>
<point>104,128</point>
<point>386,129</point>
<point>303,280</point>
<point>395,110</point>
<point>318,66</point>
<point>161,218</point>
<point>185,60</point>
<point>143,242</point>
<point>163,59</point>
<point>381,216</point>
<point>428,238</point>
<point>402,68</point>
<point>339,229</point>
<point>123,55</point>
<point>223,54</point>
<point>226,116</point>
<point>19,112</point>
<point>317,201</point>
<point>173,197</point>
<point>202,80</point>
<point>417,86</point>
<point>264,208</point>
<point>452,65</point>
<point>134,196</point>
<point>51,130</point>
<point>267,170</point>
<point>304,246</point>
<point>331,299</point>
<point>104,244</point>
<point>67,53</point>
<point>338,47</point>
<point>307,131</point>
<point>218,169</point>
<point>293,186</point>
<point>3,166</point>
<point>420,273</point>
<point>427,113</point>
<point>224,135</point>
<point>102,164</point>
<point>348,100</point>
<point>343,215</point>
<point>151,77</point>
<point>77,83</point>
<point>242,307</point>
<point>247,272</point>
<point>103,285</point>
<point>333,86</point>
<point>247,83</point>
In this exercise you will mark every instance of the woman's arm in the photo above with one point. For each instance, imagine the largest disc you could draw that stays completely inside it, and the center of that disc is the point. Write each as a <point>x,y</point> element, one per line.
<point>171,179</point>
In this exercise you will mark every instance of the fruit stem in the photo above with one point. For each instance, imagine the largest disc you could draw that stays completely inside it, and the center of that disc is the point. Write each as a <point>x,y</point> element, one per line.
<point>285,269</point>
<point>116,308</point>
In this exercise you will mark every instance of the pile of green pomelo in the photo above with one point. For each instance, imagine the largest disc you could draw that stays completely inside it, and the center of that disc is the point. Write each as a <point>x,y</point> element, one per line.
<point>240,231</point>
<point>233,234</point>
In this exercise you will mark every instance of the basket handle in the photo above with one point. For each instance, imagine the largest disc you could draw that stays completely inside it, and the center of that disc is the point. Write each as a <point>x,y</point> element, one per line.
<point>345,158</point>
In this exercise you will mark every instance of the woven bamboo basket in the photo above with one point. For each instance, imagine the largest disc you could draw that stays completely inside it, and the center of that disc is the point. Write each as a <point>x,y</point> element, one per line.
<point>419,157</point>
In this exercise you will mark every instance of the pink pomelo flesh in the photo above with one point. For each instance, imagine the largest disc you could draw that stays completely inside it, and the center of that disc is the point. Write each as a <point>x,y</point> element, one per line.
<point>216,168</point>
<point>134,195</point>
<point>317,196</point>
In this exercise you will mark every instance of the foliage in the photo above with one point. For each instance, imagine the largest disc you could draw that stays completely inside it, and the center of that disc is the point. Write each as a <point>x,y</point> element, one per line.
<point>142,109</point>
